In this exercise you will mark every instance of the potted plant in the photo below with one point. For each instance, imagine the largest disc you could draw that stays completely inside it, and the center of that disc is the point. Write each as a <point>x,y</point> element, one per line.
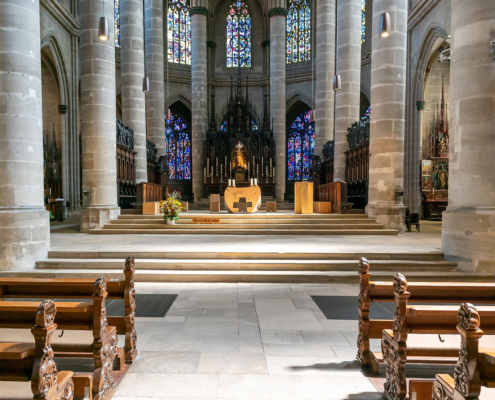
<point>171,208</point>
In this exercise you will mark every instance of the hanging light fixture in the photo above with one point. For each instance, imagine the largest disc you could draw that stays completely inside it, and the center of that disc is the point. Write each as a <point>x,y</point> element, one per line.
<point>169,115</point>
<point>146,84</point>
<point>103,26</point>
<point>337,83</point>
<point>385,25</point>
<point>312,116</point>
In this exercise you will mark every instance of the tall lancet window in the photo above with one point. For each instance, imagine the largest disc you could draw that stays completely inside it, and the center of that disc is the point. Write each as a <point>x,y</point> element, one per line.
<point>363,22</point>
<point>178,148</point>
<point>238,36</point>
<point>179,32</point>
<point>298,31</point>
<point>116,11</point>
<point>300,147</point>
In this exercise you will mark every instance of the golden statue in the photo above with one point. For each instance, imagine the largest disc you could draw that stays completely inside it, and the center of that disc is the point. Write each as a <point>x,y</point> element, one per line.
<point>442,146</point>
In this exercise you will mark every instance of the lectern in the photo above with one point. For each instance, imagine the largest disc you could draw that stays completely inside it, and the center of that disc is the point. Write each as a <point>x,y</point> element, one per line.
<point>303,198</point>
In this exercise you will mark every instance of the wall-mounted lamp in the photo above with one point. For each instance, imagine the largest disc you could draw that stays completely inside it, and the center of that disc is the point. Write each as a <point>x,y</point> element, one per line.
<point>168,117</point>
<point>146,84</point>
<point>385,25</point>
<point>337,82</point>
<point>312,117</point>
<point>103,29</point>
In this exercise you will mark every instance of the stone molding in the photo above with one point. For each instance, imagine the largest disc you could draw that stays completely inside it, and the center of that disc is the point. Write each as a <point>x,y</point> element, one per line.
<point>277,11</point>
<point>62,15</point>
<point>198,11</point>
<point>419,12</point>
<point>366,58</point>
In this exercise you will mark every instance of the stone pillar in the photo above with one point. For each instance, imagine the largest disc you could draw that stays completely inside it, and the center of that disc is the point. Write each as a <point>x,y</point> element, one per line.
<point>278,15</point>
<point>388,96</point>
<point>347,100</point>
<point>325,71</point>
<point>97,70</point>
<point>24,224</point>
<point>468,232</point>
<point>132,74</point>
<point>199,16</point>
<point>155,98</point>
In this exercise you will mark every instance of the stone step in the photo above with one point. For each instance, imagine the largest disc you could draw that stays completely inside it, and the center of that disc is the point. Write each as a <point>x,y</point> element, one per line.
<point>224,231</point>
<point>263,256</point>
<point>232,221</point>
<point>248,265</point>
<point>236,227</point>
<point>249,276</point>
<point>307,218</point>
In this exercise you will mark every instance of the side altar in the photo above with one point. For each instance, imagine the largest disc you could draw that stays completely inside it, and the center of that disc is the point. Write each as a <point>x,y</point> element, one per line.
<point>241,148</point>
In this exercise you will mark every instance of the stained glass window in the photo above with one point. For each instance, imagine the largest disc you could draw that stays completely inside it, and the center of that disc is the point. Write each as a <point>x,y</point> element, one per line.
<point>363,22</point>
<point>179,32</point>
<point>238,36</point>
<point>224,126</point>
<point>298,31</point>
<point>300,148</point>
<point>178,148</point>
<point>116,10</point>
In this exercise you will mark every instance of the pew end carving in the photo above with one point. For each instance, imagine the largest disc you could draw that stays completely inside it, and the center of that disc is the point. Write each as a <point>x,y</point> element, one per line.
<point>130,305</point>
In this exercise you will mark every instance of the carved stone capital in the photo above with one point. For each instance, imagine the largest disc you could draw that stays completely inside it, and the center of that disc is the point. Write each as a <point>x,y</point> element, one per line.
<point>198,11</point>
<point>277,11</point>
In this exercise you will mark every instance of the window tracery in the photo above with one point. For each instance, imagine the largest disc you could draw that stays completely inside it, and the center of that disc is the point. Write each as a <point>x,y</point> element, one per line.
<point>178,148</point>
<point>238,36</point>
<point>179,32</point>
<point>116,11</point>
<point>363,22</point>
<point>298,31</point>
<point>300,147</point>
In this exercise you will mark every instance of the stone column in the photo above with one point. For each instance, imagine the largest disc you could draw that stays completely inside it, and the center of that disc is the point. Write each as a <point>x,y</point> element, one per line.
<point>132,74</point>
<point>347,100</point>
<point>468,234</point>
<point>97,70</point>
<point>388,96</point>
<point>155,98</point>
<point>278,15</point>
<point>325,71</point>
<point>199,16</point>
<point>25,229</point>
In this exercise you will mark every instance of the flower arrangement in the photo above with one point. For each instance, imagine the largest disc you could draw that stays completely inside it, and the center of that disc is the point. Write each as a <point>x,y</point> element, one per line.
<point>171,208</point>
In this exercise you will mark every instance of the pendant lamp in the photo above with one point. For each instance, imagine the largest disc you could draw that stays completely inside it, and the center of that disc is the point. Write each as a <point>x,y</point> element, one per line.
<point>103,26</point>
<point>168,117</point>
<point>146,84</point>
<point>312,116</point>
<point>337,83</point>
<point>385,25</point>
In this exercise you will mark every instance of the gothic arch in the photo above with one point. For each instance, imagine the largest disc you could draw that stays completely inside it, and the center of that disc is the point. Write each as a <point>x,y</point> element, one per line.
<point>295,102</point>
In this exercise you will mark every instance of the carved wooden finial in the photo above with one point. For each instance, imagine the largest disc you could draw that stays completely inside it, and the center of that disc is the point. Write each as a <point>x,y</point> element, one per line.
<point>129,263</point>
<point>400,283</point>
<point>46,314</point>
<point>468,317</point>
<point>364,266</point>
<point>100,286</point>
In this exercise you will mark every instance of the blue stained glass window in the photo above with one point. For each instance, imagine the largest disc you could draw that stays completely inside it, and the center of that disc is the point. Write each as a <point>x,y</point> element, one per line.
<point>178,148</point>
<point>298,31</point>
<point>116,10</point>
<point>300,148</point>
<point>179,32</point>
<point>224,126</point>
<point>363,22</point>
<point>238,36</point>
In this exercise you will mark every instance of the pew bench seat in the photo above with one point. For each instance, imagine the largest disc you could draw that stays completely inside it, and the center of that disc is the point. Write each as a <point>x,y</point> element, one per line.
<point>15,351</point>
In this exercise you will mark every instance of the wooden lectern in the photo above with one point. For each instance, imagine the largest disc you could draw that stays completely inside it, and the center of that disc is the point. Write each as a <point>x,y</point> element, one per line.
<point>303,197</point>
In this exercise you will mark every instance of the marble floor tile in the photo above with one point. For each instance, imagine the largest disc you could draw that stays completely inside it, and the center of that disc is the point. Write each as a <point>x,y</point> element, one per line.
<point>275,336</point>
<point>319,365</point>
<point>298,350</point>
<point>166,362</point>
<point>323,338</point>
<point>232,363</point>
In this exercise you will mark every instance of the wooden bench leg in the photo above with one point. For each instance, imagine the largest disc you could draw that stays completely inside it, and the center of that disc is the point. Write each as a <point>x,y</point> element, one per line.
<point>105,351</point>
<point>394,355</point>
<point>120,359</point>
<point>83,386</point>
<point>130,305</point>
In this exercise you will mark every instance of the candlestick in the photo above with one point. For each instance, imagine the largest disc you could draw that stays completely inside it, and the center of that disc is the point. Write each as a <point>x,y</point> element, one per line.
<point>211,171</point>
<point>251,182</point>
<point>205,176</point>
<point>255,182</point>
<point>216,167</point>
<point>225,163</point>
<point>266,171</point>
<point>253,162</point>
<point>221,173</point>
<point>270,163</point>
<point>257,169</point>
<point>233,182</point>
<point>208,164</point>
<point>273,174</point>
<point>230,182</point>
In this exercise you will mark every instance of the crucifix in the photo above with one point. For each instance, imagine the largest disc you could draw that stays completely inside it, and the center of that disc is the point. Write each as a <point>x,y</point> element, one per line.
<point>242,205</point>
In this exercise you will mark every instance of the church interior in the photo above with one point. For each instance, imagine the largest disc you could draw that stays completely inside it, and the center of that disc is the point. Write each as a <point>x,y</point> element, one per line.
<point>247,199</point>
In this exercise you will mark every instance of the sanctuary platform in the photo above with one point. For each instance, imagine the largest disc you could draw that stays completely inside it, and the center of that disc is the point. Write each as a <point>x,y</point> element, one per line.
<point>261,223</point>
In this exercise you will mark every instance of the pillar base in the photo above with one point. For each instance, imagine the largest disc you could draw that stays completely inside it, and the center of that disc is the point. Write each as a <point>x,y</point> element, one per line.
<point>468,238</point>
<point>390,216</point>
<point>25,237</point>
<point>97,216</point>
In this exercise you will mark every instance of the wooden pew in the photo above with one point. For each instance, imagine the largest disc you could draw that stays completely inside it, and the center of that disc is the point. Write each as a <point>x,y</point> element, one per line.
<point>475,367</point>
<point>35,363</point>
<point>419,320</point>
<point>76,316</point>
<point>80,289</point>
<point>421,292</point>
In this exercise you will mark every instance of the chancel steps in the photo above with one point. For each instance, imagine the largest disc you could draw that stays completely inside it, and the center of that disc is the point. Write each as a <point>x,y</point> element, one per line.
<point>262,223</point>
<point>247,267</point>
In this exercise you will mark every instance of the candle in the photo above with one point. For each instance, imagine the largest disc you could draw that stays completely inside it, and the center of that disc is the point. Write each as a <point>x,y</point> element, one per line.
<point>205,173</point>
<point>248,167</point>
<point>225,163</point>
<point>274,173</point>
<point>233,182</point>
<point>221,171</point>
<point>253,161</point>
<point>270,163</point>
<point>230,182</point>
<point>257,169</point>
<point>51,191</point>
<point>261,164</point>
<point>211,171</point>
<point>251,182</point>
<point>216,168</point>
<point>267,170</point>
<point>255,182</point>
<point>208,164</point>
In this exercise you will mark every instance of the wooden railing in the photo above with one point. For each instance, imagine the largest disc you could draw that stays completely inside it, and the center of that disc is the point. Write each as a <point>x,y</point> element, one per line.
<point>149,192</point>
<point>335,192</point>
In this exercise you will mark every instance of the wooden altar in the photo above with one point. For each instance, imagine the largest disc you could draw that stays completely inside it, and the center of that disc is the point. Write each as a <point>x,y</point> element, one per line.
<point>238,199</point>
<point>242,147</point>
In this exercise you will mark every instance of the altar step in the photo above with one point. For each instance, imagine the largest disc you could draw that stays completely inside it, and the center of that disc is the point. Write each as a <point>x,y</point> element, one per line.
<point>280,223</point>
